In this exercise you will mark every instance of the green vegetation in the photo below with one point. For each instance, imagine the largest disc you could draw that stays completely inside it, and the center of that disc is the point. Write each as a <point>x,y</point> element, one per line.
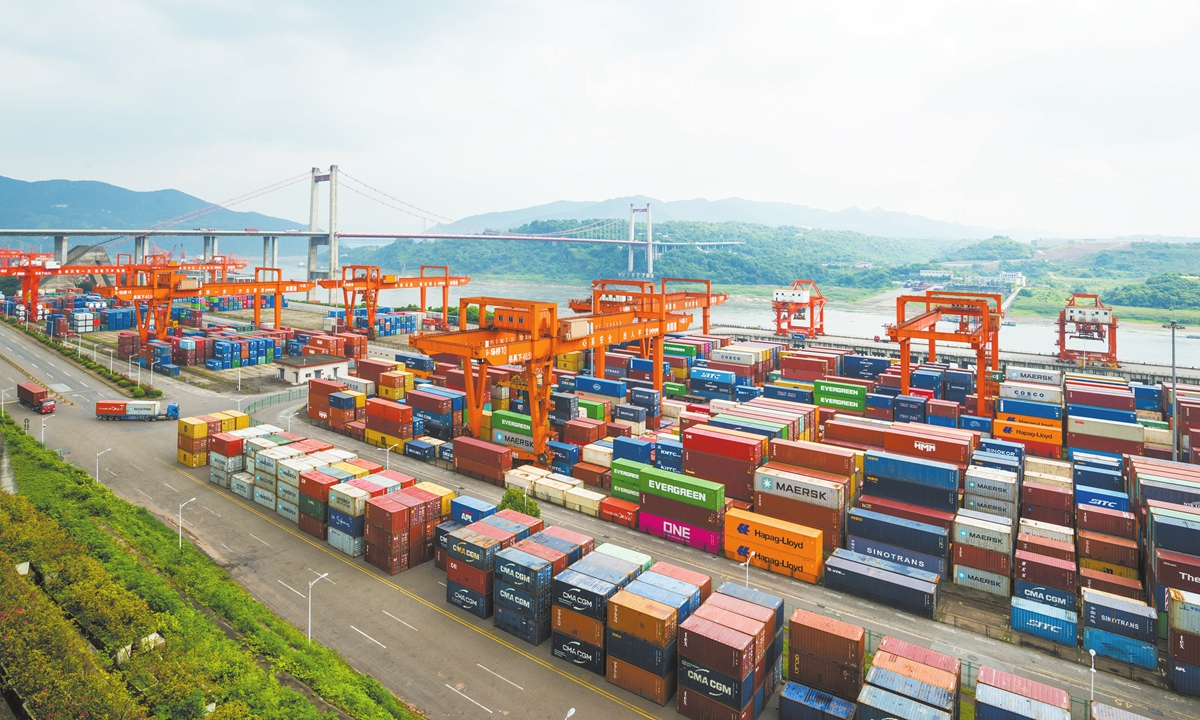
<point>117,571</point>
<point>514,499</point>
<point>1160,291</point>
<point>996,248</point>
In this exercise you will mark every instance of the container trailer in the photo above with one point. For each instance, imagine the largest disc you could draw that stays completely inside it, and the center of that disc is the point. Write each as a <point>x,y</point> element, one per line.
<point>145,410</point>
<point>35,397</point>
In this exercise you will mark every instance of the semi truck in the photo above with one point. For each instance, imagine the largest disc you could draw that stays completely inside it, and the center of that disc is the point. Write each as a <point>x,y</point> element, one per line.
<point>35,397</point>
<point>145,410</point>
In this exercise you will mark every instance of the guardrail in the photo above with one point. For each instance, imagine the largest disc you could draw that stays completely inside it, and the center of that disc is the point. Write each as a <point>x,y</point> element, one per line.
<point>276,399</point>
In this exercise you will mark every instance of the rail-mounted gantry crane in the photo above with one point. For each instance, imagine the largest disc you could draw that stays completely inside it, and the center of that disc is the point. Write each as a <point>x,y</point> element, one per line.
<point>366,281</point>
<point>977,317</point>
<point>799,309</point>
<point>1087,319</point>
<point>530,334</point>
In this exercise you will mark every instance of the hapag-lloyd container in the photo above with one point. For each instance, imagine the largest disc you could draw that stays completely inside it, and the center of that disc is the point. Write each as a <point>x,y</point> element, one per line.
<point>992,703</point>
<point>680,532</point>
<point>1024,687</point>
<point>875,703</point>
<point>768,533</point>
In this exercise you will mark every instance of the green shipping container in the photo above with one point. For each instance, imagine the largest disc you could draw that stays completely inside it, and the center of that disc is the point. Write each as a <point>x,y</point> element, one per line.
<point>641,559</point>
<point>627,480</point>
<point>690,490</point>
<point>313,507</point>
<point>677,349</point>
<point>512,422</point>
<point>675,389</point>
<point>840,396</point>
<point>593,408</point>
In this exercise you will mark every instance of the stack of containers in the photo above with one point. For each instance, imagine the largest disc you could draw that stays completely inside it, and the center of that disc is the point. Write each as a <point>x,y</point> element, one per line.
<point>722,456</point>
<point>992,491</point>
<point>1120,628</point>
<point>193,435</point>
<point>774,604</point>
<point>676,507</point>
<point>775,545</point>
<point>999,695</point>
<point>225,457</point>
<point>319,392</point>
<point>924,483</point>
<point>1101,416</point>
<point>899,540</point>
<point>522,595</point>
<point>345,518</point>
<point>578,614</point>
<point>826,654</point>
<point>389,424</point>
<point>1183,641</point>
<point>719,674</point>
<point>314,502</point>
<point>934,669</point>
<point>834,465</point>
<point>482,460</point>
<point>983,550</point>
<point>1030,410</point>
<point>641,646</point>
<point>470,570</point>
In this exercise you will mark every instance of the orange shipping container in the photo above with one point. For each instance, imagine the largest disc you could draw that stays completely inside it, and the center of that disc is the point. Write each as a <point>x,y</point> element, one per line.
<point>578,626</point>
<point>779,537</point>
<point>827,638</point>
<point>917,671</point>
<point>1030,420</point>
<point>1022,432</point>
<point>642,618</point>
<point>658,690</point>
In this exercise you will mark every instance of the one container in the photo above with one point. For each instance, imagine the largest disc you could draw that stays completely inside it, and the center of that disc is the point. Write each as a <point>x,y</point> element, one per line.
<point>657,689</point>
<point>578,653</point>
<point>641,654</point>
<point>1119,615</point>
<point>583,594</point>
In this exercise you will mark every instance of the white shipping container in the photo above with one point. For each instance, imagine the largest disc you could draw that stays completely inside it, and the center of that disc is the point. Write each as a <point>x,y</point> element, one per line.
<point>636,429</point>
<point>1094,427</point>
<point>389,485</point>
<point>1053,480</point>
<point>1033,375</point>
<point>1047,466</point>
<point>349,499</point>
<point>1158,436</point>
<point>231,464</point>
<point>584,501</point>
<point>566,480</point>
<point>254,446</point>
<point>288,510</point>
<point>991,483</point>
<point>518,480</point>
<point>550,490</point>
<point>265,479</point>
<point>720,406</point>
<point>671,409</point>
<point>735,357</point>
<point>284,491</point>
<point>341,455</point>
<point>1183,609</point>
<point>325,457</point>
<point>218,477</point>
<point>352,546</point>
<point>264,497</point>
<point>990,505</point>
<point>366,387</point>
<point>270,429</point>
<point>143,408</point>
<point>1031,392</point>
<point>265,460</point>
<point>983,534</point>
<point>794,486</point>
<point>289,470</point>
<point>988,582</point>
<point>1047,530</point>
<point>597,455</point>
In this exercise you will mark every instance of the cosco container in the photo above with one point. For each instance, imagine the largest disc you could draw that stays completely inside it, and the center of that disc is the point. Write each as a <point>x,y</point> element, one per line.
<point>875,703</point>
<point>1119,647</point>
<point>992,703</point>
<point>800,702</point>
<point>1045,621</point>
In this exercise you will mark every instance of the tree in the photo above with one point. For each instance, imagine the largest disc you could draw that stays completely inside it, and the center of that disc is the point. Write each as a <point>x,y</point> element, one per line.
<point>515,499</point>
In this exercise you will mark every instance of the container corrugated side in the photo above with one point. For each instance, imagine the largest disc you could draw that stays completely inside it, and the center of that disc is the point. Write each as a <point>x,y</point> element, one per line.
<point>1024,686</point>
<point>992,703</point>
<point>1045,621</point>
<point>894,682</point>
<point>1120,648</point>
<point>828,638</point>
<point>875,703</point>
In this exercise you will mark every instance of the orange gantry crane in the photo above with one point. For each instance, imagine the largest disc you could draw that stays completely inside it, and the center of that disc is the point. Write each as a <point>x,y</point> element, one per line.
<point>978,317</point>
<point>799,309</point>
<point>530,334</point>
<point>367,281</point>
<point>1089,319</point>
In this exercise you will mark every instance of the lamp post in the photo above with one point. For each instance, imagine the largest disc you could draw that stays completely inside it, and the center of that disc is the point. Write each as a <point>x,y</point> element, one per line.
<point>93,352</point>
<point>43,432</point>
<point>98,463</point>
<point>3,392</point>
<point>1093,654</point>
<point>239,403</point>
<point>110,360</point>
<point>181,522</point>
<point>1174,325</point>
<point>569,714</point>
<point>310,587</point>
<point>747,566</point>
<point>387,456</point>
<point>289,419</point>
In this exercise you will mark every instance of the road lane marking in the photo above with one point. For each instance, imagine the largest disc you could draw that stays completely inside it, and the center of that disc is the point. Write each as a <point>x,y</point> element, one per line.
<point>210,510</point>
<point>226,547</point>
<point>326,579</point>
<point>385,612</point>
<point>289,587</point>
<point>170,487</point>
<point>360,632</point>
<point>456,691</point>
<point>137,467</point>
<point>110,472</point>
<point>441,583</point>
<point>510,682</point>
<point>35,367</point>
<point>147,496</point>
<point>264,542</point>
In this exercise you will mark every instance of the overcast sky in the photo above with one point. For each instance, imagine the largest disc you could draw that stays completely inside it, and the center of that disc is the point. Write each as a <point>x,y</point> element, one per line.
<point>1071,118</point>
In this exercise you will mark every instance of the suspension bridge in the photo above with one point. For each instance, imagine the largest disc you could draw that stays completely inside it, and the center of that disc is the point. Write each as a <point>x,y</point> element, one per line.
<point>608,231</point>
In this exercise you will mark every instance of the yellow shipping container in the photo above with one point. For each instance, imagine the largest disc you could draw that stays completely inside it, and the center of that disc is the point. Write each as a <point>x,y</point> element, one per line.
<point>1111,569</point>
<point>360,399</point>
<point>193,428</point>
<point>241,420</point>
<point>192,460</point>
<point>227,423</point>
<point>390,393</point>
<point>354,470</point>
<point>445,494</point>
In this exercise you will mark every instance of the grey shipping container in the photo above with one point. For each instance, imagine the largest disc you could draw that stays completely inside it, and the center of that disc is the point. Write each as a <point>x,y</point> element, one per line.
<point>935,697</point>
<point>757,597</point>
<point>801,702</point>
<point>992,703</point>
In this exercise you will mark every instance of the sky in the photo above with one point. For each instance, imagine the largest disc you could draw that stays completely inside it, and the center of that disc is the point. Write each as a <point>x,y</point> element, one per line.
<point>1071,118</point>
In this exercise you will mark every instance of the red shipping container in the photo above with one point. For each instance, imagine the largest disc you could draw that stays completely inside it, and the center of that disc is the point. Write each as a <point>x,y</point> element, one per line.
<point>310,525</point>
<point>370,467</point>
<point>700,580</point>
<point>315,484</point>
<point>393,542</point>
<point>1107,521</point>
<point>586,543</point>
<point>1043,570</point>
<point>621,512</point>
<point>918,654</point>
<point>1045,546</point>
<point>1024,688</point>
<point>226,444</point>
<point>365,484</point>
<point>387,513</point>
<point>844,682</point>
<point>905,441</point>
<point>1109,445</point>
<point>592,475</point>
<point>1107,548</point>
<point>507,539</point>
<point>696,705</point>
<point>390,563</point>
<point>1065,518</point>
<point>712,443</point>
<point>1109,583</point>
<point>1049,496</point>
<point>1176,570</point>
<point>556,558</point>
<point>471,578</point>
<point>827,638</point>
<point>916,513</point>
<point>852,432</point>
<point>658,690</point>
<point>535,525</point>
<point>760,631</point>
<point>490,454</point>
<point>1045,450</point>
<point>1183,647</point>
<point>404,480</point>
<point>580,627</point>
<point>439,558</point>
<point>1099,397</point>
<point>979,558</point>
<point>478,470</point>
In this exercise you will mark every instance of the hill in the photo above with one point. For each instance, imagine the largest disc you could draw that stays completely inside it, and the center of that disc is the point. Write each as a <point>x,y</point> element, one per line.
<point>877,222</point>
<point>995,248</point>
<point>87,204</point>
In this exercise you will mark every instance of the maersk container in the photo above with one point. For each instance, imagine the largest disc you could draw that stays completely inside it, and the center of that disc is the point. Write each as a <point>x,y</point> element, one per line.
<point>923,538</point>
<point>466,509</point>
<point>1045,621</point>
<point>1119,615</point>
<point>992,703</point>
<point>911,470</point>
<point>729,691</point>
<point>935,697</point>
<point>889,588</point>
<point>641,654</point>
<point>477,604</point>
<point>1119,647</point>
<point>1099,477</point>
<point>988,582</point>
<point>1095,497</point>
<point>875,703</point>
<point>1185,679</point>
<point>534,631</point>
<point>583,594</point>
<point>923,495</point>
<point>991,483</point>
<point>897,555</point>
<point>756,597</point>
<point>990,506</point>
<point>983,534</point>
<point>800,702</point>
<point>577,652</point>
<point>1044,595</point>
<point>687,590</point>
<point>523,571</point>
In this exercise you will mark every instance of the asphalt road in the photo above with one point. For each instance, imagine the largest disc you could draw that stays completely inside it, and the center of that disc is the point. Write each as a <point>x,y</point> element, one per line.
<point>399,628</point>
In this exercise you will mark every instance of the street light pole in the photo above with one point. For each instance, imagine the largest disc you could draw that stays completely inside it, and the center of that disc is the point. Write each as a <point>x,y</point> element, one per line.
<point>98,463</point>
<point>310,587</point>
<point>1093,695</point>
<point>110,360</point>
<point>747,566</point>
<point>1174,325</point>
<point>181,522</point>
<point>387,457</point>
<point>569,714</point>
<point>3,392</point>
<point>289,420</point>
<point>43,432</point>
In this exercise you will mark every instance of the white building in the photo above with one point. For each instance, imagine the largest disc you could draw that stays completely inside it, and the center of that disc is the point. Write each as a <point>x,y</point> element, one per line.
<point>947,274</point>
<point>299,370</point>
<point>1015,279</point>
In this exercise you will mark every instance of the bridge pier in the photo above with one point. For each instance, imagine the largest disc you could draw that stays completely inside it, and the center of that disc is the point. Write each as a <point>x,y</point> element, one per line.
<point>139,249</point>
<point>60,249</point>
<point>270,251</point>
<point>210,247</point>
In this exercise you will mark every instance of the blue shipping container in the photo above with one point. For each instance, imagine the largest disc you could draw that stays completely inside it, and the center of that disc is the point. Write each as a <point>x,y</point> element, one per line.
<point>896,554</point>
<point>475,603</point>
<point>633,449</point>
<point>1185,679</point>
<point>911,470</point>
<point>1044,411</point>
<point>512,526</point>
<point>888,565</point>
<point>521,601</point>
<point>583,594</point>
<point>1045,621</point>
<point>800,702</point>
<point>729,691</point>
<point>534,631</point>
<point>1044,595</point>
<point>1119,615</point>
<point>679,603</point>
<point>871,583</point>
<point>687,590</point>
<point>923,495</point>
<point>1119,647</point>
<point>1099,477</point>
<point>935,697</point>
<point>573,551</point>
<point>576,652</point>
<point>639,653</point>
<point>468,509</point>
<point>441,531</point>
<point>928,539</point>
<point>523,571</point>
<point>992,703</point>
<point>352,526</point>
<point>1095,497</point>
<point>875,703</point>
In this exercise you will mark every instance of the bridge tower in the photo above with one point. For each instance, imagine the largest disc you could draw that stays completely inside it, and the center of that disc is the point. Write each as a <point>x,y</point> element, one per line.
<point>633,211</point>
<point>331,177</point>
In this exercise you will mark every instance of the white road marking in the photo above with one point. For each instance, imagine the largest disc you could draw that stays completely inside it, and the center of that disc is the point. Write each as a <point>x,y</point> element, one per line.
<point>459,693</point>
<point>441,583</point>
<point>137,467</point>
<point>314,572</point>
<point>110,472</point>
<point>35,367</point>
<point>510,682</point>
<point>385,612</point>
<point>210,510</point>
<point>139,490</point>
<point>360,632</point>
<point>1129,685</point>
<point>52,363</point>
<point>170,487</point>
<point>188,522</point>
<point>226,547</point>
<point>264,542</point>
<point>289,587</point>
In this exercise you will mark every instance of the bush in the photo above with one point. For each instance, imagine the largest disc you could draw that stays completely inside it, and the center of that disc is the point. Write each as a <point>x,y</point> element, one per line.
<point>139,393</point>
<point>514,499</point>
<point>124,383</point>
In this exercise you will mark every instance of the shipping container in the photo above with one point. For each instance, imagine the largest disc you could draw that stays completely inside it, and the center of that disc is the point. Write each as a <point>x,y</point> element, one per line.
<point>827,638</point>
<point>800,702</point>
<point>757,597</point>
<point>1119,615</point>
<point>992,703</point>
<point>642,618</point>
<point>838,680</point>
<point>924,693</point>
<point>1120,647</point>
<point>875,703</point>
<point>729,691</point>
<point>572,650</point>
<point>889,588</point>
<point>723,649</point>
<point>695,705</point>
<point>921,537</point>
<point>1045,621</point>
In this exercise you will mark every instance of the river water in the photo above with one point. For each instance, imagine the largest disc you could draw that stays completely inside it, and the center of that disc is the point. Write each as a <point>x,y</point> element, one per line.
<point>1137,342</point>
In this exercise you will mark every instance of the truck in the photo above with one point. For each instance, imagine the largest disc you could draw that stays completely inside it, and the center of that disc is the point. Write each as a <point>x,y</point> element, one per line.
<point>35,397</point>
<point>144,410</point>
